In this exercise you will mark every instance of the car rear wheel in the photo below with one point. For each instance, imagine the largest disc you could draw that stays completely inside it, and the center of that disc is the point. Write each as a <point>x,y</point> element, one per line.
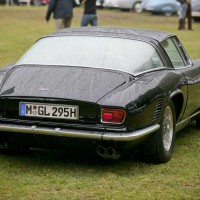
<point>160,145</point>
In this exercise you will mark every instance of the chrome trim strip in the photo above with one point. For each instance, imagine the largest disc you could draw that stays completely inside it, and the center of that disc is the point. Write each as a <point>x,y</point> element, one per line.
<point>183,123</point>
<point>51,131</point>
<point>131,136</point>
<point>98,135</point>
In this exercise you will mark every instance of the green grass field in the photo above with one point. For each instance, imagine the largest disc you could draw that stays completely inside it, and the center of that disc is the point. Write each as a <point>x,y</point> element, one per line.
<point>43,175</point>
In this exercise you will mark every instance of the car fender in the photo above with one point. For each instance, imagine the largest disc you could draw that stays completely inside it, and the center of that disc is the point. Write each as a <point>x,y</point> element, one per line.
<point>179,100</point>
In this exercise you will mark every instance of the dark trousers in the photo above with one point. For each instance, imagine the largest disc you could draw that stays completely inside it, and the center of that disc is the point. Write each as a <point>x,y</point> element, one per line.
<point>189,16</point>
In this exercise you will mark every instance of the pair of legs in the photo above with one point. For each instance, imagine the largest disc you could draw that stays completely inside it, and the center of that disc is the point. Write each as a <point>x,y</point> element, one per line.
<point>189,16</point>
<point>63,23</point>
<point>89,19</point>
<point>183,11</point>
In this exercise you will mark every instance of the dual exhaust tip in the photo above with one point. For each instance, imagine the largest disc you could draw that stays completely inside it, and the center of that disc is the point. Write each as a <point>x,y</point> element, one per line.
<point>107,153</point>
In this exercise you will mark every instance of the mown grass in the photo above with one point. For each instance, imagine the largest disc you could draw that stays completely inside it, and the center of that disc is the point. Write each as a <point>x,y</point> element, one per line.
<point>74,175</point>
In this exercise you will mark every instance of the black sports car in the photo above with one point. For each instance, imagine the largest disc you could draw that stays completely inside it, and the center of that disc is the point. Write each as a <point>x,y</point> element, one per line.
<point>105,88</point>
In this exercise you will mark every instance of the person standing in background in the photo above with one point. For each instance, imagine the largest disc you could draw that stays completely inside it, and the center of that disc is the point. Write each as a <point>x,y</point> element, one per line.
<point>189,14</point>
<point>89,13</point>
<point>183,9</point>
<point>62,12</point>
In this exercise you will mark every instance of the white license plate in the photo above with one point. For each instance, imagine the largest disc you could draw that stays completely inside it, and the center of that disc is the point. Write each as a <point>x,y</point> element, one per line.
<point>49,110</point>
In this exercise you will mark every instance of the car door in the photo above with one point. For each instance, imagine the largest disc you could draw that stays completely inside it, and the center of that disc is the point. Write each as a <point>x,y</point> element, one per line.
<point>191,71</point>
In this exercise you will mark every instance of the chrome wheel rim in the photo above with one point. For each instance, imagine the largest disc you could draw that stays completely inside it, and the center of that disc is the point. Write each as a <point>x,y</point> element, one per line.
<point>138,8</point>
<point>168,128</point>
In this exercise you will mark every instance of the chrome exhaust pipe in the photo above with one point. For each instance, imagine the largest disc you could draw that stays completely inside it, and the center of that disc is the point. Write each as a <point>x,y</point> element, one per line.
<point>101,151</point>
<point>107,153</point>
<point>112,153</point>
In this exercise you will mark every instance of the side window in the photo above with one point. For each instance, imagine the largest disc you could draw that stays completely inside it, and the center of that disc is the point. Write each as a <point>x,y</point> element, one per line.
<point>173,53</point>
<point>151,61</point>
<point>156,62</point>
<point>182,51</point>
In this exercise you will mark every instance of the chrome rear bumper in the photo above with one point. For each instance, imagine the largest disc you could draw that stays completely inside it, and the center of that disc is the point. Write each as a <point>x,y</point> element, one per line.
<point>96,135</point>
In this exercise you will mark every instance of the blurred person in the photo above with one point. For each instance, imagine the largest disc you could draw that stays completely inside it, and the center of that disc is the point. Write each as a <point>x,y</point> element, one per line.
<point>62,12</point>
<point>182,15</point>
<point>89,13</point>
<point>189,14</point>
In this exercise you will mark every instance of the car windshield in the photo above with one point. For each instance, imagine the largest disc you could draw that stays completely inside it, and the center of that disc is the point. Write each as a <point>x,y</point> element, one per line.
<point>126,55</point>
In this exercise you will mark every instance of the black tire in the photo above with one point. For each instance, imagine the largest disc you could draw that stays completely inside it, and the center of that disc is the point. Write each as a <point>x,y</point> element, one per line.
<point>160,145</point>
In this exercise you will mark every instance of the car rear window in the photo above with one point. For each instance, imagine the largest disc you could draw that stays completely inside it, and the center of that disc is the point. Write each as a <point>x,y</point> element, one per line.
<point>126,55</point>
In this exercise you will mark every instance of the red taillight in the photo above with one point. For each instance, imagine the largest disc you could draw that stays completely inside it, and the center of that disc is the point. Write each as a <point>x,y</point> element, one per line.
<point>112,116</point>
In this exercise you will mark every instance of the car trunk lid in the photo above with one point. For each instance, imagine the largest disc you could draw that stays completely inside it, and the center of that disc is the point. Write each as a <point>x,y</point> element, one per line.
<point>77,83</point>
